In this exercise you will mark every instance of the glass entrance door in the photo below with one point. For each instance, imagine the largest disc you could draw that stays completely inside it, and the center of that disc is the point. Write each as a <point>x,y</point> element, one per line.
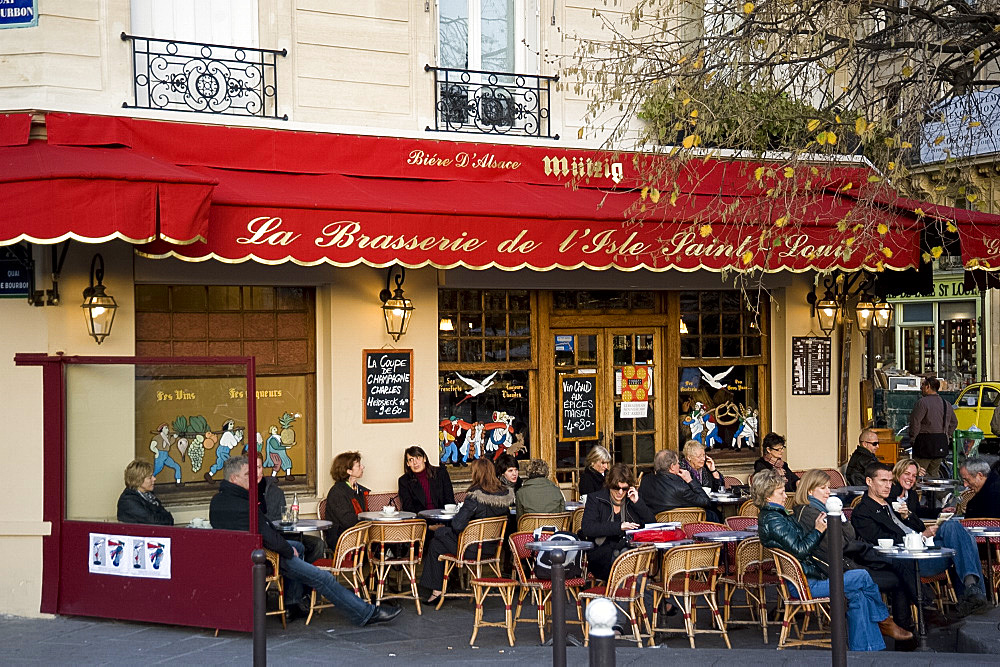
<point>624,364</point>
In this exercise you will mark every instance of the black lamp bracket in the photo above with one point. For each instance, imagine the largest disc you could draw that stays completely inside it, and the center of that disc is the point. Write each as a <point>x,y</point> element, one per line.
<point>841,287</point>
<point>400,276</point>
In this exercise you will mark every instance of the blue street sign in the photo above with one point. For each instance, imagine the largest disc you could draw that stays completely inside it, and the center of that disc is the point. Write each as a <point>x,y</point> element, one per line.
<point>18,13</point>
<point>14,281</point>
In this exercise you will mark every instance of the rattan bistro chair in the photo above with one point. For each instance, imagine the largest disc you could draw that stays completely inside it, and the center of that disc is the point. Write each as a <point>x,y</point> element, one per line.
<point>754,573</point>
<point>797,597</point>
<point>992,577</point>
<point>749,509</point>
<point>347,562</point>
<point>275,579</point>
<point>741,522</point>
<point>690,571</point>
<point>473,552</point>
<point>529,522</point>
<point>682,514</point>
<point>398,544</point>
<point>626,587</point>
<point>540,589</point>
<point>577,523</point>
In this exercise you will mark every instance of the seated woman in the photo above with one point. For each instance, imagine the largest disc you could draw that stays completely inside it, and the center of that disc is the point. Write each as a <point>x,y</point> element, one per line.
<point>904,482</point>
<point>539,494</point>
<point>701,466</point>
<point>508,472</point>
<point>138,503</point>
<point>592,477</point>
<point>891,577</point>
<point>486,498</point>
<point>346,498</point>
<point>423,486</point>
<point>867,617</point>
<point>608,514</point>
<point>774,459</point>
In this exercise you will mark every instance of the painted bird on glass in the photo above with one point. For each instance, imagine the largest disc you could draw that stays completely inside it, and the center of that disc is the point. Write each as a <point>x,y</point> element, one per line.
<point>477,387</point>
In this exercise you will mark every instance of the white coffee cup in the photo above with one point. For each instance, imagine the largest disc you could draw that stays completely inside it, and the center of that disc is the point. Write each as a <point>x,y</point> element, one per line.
<point>389,509</point>
<point>913,542</point>
<point>451,507</point>
<point>897,505</point>
<point>885,543</point>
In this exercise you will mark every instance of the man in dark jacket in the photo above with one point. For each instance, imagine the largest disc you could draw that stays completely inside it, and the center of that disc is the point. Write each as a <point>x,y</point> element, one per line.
<point>932,422</point>
<point>230,510</point>
<point>978,476</point>
<point>874,519</point>
<point>670,487</point>
<point>863,456</point>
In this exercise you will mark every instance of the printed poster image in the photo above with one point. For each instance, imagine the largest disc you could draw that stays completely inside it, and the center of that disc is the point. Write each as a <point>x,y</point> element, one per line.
<point>130,556</point>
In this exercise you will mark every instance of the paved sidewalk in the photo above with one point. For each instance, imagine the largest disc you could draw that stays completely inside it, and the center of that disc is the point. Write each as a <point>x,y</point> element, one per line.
<point>435,638</point>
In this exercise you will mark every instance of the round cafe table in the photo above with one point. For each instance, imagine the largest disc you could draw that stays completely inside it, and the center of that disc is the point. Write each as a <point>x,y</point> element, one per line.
<point>306,526</point>
<point>849,491</point>
<point>990,535</point>
<point>438,516</point>
<point>382,516</point>
<point>899,553</point>
<point>558,598</point>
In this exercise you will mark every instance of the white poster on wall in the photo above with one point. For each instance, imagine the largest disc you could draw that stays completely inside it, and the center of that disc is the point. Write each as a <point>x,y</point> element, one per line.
<point>633,409</point>
<point>129,556</point>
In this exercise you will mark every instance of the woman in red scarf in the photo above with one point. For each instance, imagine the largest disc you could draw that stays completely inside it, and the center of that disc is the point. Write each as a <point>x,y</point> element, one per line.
<point>423,486</point>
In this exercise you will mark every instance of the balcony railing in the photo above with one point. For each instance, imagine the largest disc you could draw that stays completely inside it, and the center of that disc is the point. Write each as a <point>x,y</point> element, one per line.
<point>492,102</point>
<point>204,78</point>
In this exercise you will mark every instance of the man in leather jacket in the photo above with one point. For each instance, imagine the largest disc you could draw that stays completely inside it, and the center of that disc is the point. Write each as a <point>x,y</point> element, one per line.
<point>862,457</point>
<point>670,487</point>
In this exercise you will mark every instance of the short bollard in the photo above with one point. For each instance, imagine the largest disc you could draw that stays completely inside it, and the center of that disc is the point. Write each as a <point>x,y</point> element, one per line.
<point>259,607</point>
<point>558,607</point>
<point>602,616</point>
<point>838,622</point>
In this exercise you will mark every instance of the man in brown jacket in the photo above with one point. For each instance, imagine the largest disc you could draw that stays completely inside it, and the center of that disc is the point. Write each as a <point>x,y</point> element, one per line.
<point>932,423</point>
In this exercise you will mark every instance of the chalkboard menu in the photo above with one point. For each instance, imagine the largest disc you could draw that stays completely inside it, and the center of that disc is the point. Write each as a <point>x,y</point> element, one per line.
<point>810,366</point>
<point>578,407</point>
<point>388,386</point>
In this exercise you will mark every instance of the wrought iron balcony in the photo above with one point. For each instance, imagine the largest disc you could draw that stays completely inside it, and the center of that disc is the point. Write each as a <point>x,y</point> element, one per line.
<point>204,78</point>
<point>468,100</point>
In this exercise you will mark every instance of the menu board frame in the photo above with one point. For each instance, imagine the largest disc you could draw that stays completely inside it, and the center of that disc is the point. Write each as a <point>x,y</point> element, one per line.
<point>812,352</point>
<point>365,386</point>
<point>597,414</point>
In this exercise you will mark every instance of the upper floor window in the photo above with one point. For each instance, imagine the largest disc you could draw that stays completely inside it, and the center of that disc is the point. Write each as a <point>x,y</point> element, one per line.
<point>226,22</point>
<point>489,35</point>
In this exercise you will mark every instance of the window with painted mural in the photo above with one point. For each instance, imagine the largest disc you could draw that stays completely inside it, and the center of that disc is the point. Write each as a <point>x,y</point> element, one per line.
<point>187,424</point>
<point>483,415</point>
<point>723,370</point>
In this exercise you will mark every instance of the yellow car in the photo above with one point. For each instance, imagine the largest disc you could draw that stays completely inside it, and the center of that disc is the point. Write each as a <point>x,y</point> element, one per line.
<point>975,405</point>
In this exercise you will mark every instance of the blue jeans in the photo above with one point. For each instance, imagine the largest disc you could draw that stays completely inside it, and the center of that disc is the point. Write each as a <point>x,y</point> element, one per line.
<point>953,535</point>
<point>864,609</point>
<point>163,459</point>
<point>297,573</point>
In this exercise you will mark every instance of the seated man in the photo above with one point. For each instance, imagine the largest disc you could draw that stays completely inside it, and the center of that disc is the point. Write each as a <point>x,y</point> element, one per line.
<point>670,487</point>
<point>978,476</point>
<point>862,456</point>
<point>875,519</point>
<point>230,510</point>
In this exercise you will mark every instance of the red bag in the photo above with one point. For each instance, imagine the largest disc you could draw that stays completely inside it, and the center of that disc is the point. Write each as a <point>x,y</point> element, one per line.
<point>659,535</point>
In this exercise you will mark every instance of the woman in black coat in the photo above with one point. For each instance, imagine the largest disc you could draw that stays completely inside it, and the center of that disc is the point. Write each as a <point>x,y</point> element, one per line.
<point>423,486</point>
<point>138,503</point>
<point>346,498</point>
<point>592,477</point>
<point>774,459</point>
<point>608,514</point>
<point>486,498</point>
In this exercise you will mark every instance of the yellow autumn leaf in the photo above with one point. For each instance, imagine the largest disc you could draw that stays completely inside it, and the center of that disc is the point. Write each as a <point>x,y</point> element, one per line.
<point>694,113</point>
<point>579,133</point>
<point>936,251</point>
<point>883,229</point>
<point>814,171</point>
<point>907,70</point>
<point>686,101</point>
<point>821,138</point>
<point>705,230</point>
<point>906,144</point>
<point>842,225</point>
<point>812,125</point>
<point>887,252</point>
<point>975,123</point>
<point>874,179</point>
<point>860,125</point>
<point>849,242</point>
<point>950,226</point>
<point>747,7</point>
<point>972,197</point>
<point>747,257</point>
<point>789,172</point>
<point>892,165</point>
<point>780,222</point>
<point>831,138</point>
<point>919,211</point>
<point>691,140</point>
<point>644,192</point>
<point>673,198</point>
<point>847,187</point>
<point>654,195</point>
<point>879,266</point>
<point>758,173</point>
<point>925,257</point>
<point>938,139</point>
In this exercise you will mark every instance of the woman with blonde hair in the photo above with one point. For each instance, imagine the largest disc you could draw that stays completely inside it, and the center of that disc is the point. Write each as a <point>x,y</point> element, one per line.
<point>592,477</point>
<point>701,466</point>
<point>138,503</point>
<point>867,616</point>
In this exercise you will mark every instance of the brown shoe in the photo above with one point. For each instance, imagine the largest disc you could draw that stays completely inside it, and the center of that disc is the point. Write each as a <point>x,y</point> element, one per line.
<point>208,478</point>
<point>889,628</point>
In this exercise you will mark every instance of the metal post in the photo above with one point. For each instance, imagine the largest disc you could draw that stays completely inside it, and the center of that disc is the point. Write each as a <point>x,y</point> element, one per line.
<point>838,614</point>
<point>558,608</point>
<point>602,616</point>
<point>259,607</point>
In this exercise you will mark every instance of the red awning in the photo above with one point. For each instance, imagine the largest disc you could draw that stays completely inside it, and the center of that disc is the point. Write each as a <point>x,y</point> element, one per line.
<point>345,220</point>
<point>53,193</point>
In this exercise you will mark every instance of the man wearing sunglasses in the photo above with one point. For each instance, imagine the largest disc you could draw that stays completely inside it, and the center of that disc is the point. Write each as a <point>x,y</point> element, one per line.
<point>862,457</point>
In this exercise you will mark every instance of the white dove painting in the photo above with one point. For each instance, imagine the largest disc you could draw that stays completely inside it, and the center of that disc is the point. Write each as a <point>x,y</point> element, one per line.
<point>714,380</point>
<point>476,387</point>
